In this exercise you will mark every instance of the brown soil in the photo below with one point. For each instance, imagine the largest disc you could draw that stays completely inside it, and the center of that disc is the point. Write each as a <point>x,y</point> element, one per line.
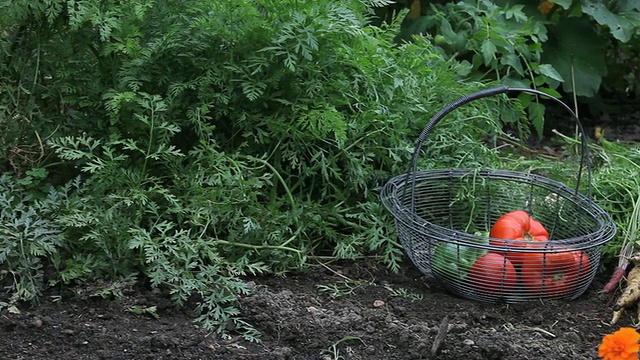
<point>317,315</point>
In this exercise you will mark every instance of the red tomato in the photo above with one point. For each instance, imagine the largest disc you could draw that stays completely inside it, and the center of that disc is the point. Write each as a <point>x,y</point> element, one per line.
<point>517,225</point>
<point>493,273</point>
<point>582,259</point>
<point>554,273</point>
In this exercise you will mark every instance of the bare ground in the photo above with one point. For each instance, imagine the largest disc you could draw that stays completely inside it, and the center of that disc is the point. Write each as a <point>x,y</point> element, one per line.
<point>356,310</point>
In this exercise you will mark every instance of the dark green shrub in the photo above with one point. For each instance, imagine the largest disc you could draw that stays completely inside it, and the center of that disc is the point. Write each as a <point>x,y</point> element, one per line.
<point>204,141</point>
<point>567,46</point>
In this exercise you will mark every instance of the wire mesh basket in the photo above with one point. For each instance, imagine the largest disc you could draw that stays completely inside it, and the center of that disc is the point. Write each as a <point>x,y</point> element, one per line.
<point>455,225</point>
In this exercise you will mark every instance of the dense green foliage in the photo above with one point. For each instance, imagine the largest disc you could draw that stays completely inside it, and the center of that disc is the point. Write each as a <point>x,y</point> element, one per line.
<point>189,144</point>
<point>194,143</point>
<point>616,186</point>
<point>570,46</point>
<point>538,43</point>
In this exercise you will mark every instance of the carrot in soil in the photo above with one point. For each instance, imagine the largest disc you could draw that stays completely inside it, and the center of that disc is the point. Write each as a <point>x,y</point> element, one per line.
<point>626,252</point>
<point>621,269</point>
<point>630,295</point>
<point>616,278</point>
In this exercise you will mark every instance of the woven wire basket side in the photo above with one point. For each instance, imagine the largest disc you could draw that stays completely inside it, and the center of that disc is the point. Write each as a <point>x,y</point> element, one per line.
<point>458,207</point>
<point>452,205</point>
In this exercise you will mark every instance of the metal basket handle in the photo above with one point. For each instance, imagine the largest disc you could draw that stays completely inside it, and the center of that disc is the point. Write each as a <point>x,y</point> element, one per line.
<point>584,153</point>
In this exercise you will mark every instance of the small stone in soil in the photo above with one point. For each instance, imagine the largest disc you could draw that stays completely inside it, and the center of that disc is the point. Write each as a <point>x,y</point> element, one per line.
<point>378,304</point>
<point>313,310</point>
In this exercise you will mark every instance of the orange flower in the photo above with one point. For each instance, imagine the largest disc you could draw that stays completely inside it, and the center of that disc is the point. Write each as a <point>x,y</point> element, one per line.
<point>621,345</point>
<point>545,7</point>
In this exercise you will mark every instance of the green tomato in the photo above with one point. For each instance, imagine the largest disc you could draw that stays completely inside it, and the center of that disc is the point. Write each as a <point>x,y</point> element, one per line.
<point>439,40</point>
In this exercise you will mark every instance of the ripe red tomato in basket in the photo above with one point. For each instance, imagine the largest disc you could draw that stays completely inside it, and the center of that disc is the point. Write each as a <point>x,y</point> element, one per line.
<point>517,225</point>
<point>582,259</point>
<point>493,273</point>
<point>554,273</point>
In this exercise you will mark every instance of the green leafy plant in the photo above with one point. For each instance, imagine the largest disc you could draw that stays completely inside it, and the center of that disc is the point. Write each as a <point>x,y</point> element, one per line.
<point>497,41</point>
<point>149,311</point>
<point>544,44</point>
<point>578,33</point>
<point>347,287</point>
<point>28,235</point>
<point>334,351</point>
<point>403,293</point>
<point>194,152</point>
<point>616,186</point>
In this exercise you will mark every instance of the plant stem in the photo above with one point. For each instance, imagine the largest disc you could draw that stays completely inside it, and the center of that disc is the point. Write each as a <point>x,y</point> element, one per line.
<point>277,174</point>
<point>258,247</point>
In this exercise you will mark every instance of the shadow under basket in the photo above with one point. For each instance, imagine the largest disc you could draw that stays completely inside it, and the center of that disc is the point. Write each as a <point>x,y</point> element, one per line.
<point>443,218</point>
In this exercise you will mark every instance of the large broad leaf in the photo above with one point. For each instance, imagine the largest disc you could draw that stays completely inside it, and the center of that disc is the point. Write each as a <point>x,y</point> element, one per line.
<point>548,70</point>
<point>622,26</point>
<point>564,3</point>
<point>628,5</point>
<point>576,51</point>
<point>412,27</point>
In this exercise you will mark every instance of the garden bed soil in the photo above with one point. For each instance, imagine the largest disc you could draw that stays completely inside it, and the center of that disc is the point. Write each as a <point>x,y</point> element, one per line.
<point>351,310</point>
